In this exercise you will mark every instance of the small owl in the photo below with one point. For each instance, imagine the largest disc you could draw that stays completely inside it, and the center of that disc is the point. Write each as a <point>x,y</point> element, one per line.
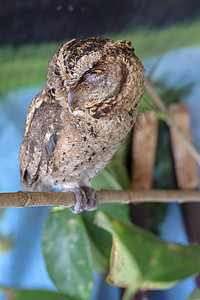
<point>80,118</point>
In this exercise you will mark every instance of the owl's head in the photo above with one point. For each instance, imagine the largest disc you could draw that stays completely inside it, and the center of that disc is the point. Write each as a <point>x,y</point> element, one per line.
<point>97,76</point>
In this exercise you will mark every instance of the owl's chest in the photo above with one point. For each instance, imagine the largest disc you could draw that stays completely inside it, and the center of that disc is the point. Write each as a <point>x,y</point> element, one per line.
<point>85,147</point>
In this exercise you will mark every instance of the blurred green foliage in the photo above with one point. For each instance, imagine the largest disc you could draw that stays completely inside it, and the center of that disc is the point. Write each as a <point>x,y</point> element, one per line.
<point>195,295</point>
<point>34,295</point>
<point>26,65</point>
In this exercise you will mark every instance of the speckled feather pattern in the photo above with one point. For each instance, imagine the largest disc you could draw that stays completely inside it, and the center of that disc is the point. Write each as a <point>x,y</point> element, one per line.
<point>65,147</point>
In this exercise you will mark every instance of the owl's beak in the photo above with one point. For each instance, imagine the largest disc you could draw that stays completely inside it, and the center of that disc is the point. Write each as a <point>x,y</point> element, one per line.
<point>72,98</point>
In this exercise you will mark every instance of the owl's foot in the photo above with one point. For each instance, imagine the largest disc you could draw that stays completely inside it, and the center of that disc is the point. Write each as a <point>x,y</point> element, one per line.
<point>86,199</point>
<point>92,199</point>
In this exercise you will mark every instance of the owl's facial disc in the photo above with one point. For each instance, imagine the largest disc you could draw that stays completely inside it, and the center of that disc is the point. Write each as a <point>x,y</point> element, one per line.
<point>98,85</point>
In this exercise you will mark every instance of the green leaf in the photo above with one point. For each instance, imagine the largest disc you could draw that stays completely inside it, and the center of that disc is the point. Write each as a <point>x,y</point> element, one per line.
<point>140,260</point>
<point>117,211</point>
<point>105,180</point>
<point>98,236</point>
<point>195,295</point>
<point>101,241</point>
<point>67,254</point>
<point>100,262</point>
<point>35,295</point>
<point>119,171</point>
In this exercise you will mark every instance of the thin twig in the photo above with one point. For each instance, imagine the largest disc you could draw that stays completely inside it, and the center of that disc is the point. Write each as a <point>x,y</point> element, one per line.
<point>159,102</point>
<point>24,199</point>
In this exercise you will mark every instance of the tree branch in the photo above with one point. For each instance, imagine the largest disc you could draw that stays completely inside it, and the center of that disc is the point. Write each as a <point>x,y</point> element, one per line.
<point>24,199</point>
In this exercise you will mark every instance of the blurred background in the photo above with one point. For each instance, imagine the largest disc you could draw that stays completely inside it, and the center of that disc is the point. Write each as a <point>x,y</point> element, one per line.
<point>31,31</point>
<point>166,37</point>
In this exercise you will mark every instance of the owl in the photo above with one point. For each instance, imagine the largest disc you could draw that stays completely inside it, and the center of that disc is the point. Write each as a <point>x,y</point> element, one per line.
<point>79,119</point>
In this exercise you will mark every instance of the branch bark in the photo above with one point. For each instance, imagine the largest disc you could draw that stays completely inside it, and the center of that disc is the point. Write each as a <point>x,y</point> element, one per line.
<point>23,199</point>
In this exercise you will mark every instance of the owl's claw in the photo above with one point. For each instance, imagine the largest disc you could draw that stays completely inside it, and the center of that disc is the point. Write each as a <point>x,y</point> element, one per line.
<point>86,199</point>
<point>92,199</point>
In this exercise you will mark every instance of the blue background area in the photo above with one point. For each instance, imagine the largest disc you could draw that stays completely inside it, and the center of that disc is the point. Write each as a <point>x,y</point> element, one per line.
<point>23,266</point>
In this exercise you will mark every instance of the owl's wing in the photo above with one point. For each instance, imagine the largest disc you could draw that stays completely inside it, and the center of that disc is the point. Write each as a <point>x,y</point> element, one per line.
<point>40,138</point>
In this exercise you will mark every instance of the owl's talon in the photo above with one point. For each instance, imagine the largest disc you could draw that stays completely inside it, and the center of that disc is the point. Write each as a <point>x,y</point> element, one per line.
<point>92,199</point>
<point>86,199</point>
<point>80,200</point>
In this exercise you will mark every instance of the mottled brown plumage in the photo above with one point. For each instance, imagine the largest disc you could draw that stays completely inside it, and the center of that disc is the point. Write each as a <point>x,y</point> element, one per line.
<point>81,116</point>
